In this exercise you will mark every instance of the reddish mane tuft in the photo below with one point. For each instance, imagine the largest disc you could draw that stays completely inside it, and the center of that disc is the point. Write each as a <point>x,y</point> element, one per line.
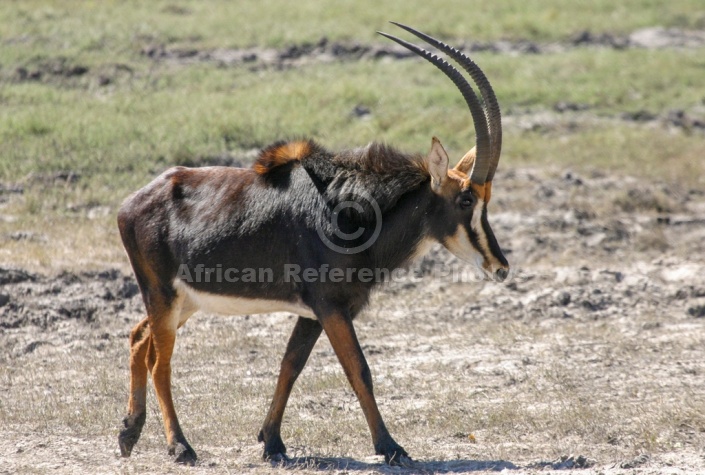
<point>281,153</point>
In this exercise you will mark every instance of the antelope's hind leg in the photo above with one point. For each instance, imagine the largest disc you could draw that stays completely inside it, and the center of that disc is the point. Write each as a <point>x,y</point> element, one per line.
<point>151,347</point>
<point>137,404</point>
<point>301,342</point>
<point>164,320</point>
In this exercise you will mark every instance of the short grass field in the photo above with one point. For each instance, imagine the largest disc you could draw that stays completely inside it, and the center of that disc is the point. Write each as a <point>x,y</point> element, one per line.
<point>81,97</point>
<point>99,97</point>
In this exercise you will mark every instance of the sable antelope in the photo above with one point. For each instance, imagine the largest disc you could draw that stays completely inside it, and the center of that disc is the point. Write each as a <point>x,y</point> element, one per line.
<point>301,207</point>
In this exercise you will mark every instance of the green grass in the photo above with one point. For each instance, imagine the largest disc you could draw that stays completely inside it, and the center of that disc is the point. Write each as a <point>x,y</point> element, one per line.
<point>169,115</point>
<point>92,28</point>
<point>150,115</point>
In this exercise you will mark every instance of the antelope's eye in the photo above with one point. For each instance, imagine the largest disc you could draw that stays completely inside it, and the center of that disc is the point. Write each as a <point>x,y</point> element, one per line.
<point>466,201</point>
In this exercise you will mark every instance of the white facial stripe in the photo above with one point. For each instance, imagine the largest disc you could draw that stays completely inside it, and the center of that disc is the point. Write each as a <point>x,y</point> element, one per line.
<point>476,226</point>
<point>460,245</point>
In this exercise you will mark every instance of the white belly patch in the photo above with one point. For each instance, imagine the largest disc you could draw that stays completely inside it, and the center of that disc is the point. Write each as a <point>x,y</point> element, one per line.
<point>230,305</point>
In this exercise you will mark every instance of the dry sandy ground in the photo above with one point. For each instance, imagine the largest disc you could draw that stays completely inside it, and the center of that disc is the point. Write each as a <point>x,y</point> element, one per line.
<point>590,359</point>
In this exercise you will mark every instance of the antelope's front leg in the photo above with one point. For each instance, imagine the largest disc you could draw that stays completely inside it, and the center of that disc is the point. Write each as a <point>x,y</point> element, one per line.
<point>341,333</point>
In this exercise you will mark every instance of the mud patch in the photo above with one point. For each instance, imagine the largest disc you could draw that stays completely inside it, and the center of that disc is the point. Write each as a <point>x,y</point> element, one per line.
<point>44,69</point>
<point>40,301</point>
<point>326,51</point>
<point>569,118</point>
<point>15,276</point>
<point>64,177</point>
<point>66,72</point>
<point>659,38</point>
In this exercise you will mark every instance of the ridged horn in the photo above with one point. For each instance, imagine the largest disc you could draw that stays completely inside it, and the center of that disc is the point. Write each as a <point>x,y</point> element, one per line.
<point>494,115</point>
<point>482,136</point>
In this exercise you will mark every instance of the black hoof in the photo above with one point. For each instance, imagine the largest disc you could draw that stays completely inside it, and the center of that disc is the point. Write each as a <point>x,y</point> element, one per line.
<point>131,433</point>
<point>395,455</point>
<point>274,448</point>
<point>396,459</point>
<point>275,458</point>
<point>183,453</point>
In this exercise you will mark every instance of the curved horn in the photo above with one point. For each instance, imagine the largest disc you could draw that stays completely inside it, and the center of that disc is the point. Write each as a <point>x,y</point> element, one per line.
<point>482,136</point>
<point>494,116</point>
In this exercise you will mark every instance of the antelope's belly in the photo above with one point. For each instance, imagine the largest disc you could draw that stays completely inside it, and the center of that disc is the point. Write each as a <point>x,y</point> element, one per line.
<point>232,305</point>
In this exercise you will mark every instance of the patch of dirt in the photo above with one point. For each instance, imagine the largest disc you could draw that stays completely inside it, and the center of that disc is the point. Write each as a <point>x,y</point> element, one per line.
<point>41,302</point>
<point>659,37</point>
<point>10,188</point>
<point>326,51</point>
<point>15,276</point>
<point>64,177</point>
<point>64,71</point>
<point>590,357</point>
<point>7,191</point>
<point>567,117</point>
<point>41,69</point>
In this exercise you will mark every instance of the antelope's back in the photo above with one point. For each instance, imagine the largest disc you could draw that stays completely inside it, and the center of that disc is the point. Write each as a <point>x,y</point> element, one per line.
<point>223,217</point>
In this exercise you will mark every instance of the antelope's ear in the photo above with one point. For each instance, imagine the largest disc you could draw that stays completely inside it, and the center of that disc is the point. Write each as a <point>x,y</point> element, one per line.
<point>437,164</point>
<point>467,162</point>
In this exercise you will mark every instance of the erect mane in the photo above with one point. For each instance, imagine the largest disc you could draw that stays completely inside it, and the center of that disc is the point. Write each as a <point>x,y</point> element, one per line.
<point>376,171</point>
<point>375,159</point>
